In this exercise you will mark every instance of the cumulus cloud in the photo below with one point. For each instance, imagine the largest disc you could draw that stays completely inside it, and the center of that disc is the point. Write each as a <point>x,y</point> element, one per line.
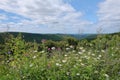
<point>52,13</point>
<point>109,15</point>
<point>3,17</point>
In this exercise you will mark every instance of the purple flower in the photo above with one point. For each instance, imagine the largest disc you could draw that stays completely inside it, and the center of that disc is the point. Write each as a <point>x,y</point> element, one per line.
<point>49,49</point>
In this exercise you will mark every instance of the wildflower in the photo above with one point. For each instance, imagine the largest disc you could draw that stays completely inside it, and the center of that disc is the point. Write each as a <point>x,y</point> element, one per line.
<point>65,55</point>
<point>71,46</point>
<point>63,61</point>
<point>93,54</point>
<point>73,51</point>
<point>35,51</point>
<point>31,65</point>
<point>49,49</point>
<point>80,53</point>
<point>68,73</point>
<point>80,60</point>
<point>89,53</point>
<point>96,72</point>
<point>78,74</point>
<point>99,56</point>
<point>34,57</point>
<point>67,49</point>
<point>53,48</point>
<point>74,66</point>
<point>8,61</point>
<point>81,48</point>
<point>103,51</point>
<point>57,64</point>
<point>106,75</point>
<point>82,64</point>
<point>42,51</point>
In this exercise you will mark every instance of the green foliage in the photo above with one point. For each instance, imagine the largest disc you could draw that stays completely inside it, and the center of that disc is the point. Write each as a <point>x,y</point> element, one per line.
<point>72,41</point>
<point>98,59</point>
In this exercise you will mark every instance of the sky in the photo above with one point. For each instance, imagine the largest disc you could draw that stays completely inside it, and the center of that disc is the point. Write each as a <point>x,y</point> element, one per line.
<point>60,16</point>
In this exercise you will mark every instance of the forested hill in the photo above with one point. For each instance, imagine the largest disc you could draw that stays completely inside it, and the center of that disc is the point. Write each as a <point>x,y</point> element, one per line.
<point>30,37</point>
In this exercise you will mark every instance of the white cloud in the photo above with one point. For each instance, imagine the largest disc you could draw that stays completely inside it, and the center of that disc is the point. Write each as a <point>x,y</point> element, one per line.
<point>109,15</point>
<point>3,17</point>
<point>48,12</point>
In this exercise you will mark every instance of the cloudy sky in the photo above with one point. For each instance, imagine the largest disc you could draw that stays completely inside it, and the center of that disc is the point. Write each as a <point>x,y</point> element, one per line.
<point>60,16</point>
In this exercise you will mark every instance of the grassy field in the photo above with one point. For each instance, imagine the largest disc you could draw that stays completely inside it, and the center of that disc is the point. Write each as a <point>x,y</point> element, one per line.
<point>69,59</point>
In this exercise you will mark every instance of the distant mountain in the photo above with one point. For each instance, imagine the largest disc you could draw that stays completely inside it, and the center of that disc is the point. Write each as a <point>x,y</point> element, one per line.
<point>84,36</point>
<point>30,37</point>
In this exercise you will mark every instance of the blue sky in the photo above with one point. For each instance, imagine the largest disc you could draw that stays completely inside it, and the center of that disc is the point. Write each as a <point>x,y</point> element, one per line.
<point>60,16</point>
<point>87,7</point>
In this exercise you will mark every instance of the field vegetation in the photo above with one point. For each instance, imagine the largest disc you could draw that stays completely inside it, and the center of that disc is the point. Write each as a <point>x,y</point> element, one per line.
<point>67,59</point>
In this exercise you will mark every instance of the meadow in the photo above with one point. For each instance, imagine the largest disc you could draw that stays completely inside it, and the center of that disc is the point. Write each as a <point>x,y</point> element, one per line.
<point>68,59</point>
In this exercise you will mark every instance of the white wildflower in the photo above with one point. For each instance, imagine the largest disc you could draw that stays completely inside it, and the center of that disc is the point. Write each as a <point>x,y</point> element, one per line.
<point>80,53</point>
<point>64,61</point>
<point>106,75</point>
<point>78,74</point>
<point>71,46</point>
<point>82,64</point>
<point>93,54</point>
<point>67,49</point>
<point>34,57</point>
<point>53,48</point>
<point>31,65</point>
<point>80,60</point>
<point>73,51</point>
<point>89,53</point>
<point>65,55</point>
<point>42,51</point>
<point>35,51</point>
<point>81,48</point>
<point>57,64</point>
<point>68,73</point>
<point>96,72</point>
<point>103,51</point>
<point>100,56</point>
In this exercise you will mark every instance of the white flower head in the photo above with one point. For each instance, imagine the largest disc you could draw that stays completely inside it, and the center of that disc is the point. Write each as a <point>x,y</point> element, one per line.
<point>81,48</point>
<point>34,57</point>
<point>42,51</point>
<point>64,61</point>
<point>82,64</point>
<point>106,75</point>
<point>100,56</point>
<point>80,53</point>
<point>71,46</point>
<point>67,49</point>
<point>103,51</point>
<point>31,65</point>
<point>65,55</point>
<point>57,64</point>
<point>73,51</point>
<point>35,51</point>
<point>53,48</point>
<point>78,74</point>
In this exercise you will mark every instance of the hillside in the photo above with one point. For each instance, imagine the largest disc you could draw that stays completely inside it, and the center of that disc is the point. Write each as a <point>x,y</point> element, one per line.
<point>30,37</point>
